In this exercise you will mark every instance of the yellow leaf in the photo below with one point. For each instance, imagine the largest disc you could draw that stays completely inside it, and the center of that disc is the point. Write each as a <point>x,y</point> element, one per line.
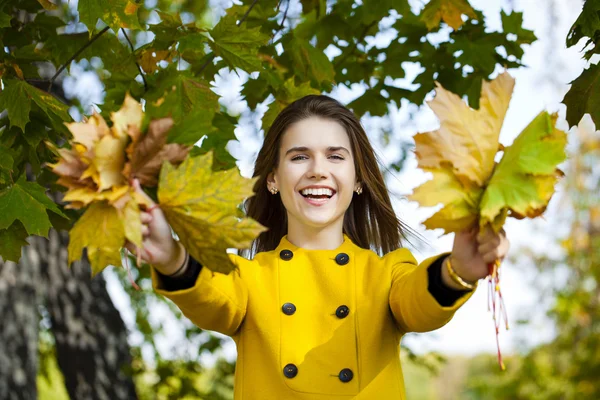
<point>150,58</point>
<point>129,211</point>
<point>450,11</point>
<point>128,120</point>
<point>467,139</point>
<point>101,231</point>
<point>201,207</point>
<point>460,203</point>
<point>109,161</point>
<point>48,5</point>
<point>467,181</point>
<point>85,196</point>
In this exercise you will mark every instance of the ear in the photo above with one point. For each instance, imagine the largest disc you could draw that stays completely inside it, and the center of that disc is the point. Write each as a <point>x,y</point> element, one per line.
<point>271,181</point>
<point>358,185</point>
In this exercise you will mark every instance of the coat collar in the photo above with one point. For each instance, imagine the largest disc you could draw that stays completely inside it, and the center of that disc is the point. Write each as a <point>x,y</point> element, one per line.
<point>347,246</point>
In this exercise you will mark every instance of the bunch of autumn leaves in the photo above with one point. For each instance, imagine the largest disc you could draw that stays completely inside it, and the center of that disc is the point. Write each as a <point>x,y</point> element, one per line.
<point>98,171</point>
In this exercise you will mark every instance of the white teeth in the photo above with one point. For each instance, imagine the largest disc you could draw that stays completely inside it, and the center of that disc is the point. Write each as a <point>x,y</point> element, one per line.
<point>317,192</point>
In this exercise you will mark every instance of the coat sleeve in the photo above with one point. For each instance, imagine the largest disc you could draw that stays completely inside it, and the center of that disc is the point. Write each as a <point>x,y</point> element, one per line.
<point>413,306</point>
<point>216,302</point>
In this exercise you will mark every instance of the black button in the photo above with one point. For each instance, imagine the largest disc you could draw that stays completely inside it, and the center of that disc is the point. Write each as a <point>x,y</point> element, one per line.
<point>342,259</point>
<point>342,312</point>
<point>291,371</point>
<point>288,308</point>
<point>286,255</point>
<point>346,375</point>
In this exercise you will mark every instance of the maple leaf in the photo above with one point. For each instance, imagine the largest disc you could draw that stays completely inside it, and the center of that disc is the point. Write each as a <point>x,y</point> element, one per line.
<point>450,11</point>
<point>100,230</point>
<point>472,187</point>
<point>523,182</point>
<point>201,207</point>
<point>27,202</point>
<point>115,13</point>
<point>148,154</point>
<point>237,46</point>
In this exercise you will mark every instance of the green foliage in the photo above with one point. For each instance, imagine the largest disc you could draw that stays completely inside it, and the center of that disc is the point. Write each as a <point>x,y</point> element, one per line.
<point>582,97</point>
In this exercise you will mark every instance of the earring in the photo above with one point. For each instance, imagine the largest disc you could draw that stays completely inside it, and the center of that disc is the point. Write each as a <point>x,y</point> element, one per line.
<point>273,190</point>
<point>359,190</point>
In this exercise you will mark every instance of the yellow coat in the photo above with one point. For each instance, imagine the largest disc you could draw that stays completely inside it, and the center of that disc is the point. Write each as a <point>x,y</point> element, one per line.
<point>296,340</point>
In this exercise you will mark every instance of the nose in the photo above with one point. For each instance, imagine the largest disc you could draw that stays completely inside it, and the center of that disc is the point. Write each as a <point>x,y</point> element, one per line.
<point>317,169</point>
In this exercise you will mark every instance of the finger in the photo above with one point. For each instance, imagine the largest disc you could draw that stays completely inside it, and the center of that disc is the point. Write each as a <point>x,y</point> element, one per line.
<point>145,231</point>
<point>142,197</point>
<point>486,247</point>
<point>146,217</point>
<point>487,235</point>
<point>491,256</point>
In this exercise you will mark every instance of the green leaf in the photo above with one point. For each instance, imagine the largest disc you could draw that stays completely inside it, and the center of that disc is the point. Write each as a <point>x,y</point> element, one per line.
<point>587,24</point>
<point>308,62</point>
<point>513,23</point>
<point>584,96</point>
<point>26,202</point>
<point>17,97</point>
<point>237,45</point>
<point>179,94</point>
<point>285,96</point>
<point>525,177</point>
<point>222,133</point>
<point>254,90</point>
<point>371,101</point>
<point>115,13</point>
<point>191,128</point>
<point>4,20</point>
<point>6,159</point>
<point>11,242</point>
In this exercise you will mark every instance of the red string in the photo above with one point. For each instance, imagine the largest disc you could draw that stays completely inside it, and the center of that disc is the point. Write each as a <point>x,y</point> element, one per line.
<point>495,297</point>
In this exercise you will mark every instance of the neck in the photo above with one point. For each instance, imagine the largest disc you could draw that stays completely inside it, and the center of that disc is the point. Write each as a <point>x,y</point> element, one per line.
<point>310,238</point>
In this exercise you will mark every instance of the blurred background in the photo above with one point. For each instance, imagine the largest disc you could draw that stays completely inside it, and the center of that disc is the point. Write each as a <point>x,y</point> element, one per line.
<point>549,283</point>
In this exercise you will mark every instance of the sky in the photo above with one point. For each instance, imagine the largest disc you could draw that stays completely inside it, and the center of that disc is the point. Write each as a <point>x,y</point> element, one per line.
<point>539,86</point>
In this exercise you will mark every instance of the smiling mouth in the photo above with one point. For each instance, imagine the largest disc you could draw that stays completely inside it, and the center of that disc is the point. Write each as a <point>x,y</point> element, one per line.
<point>317,200</point>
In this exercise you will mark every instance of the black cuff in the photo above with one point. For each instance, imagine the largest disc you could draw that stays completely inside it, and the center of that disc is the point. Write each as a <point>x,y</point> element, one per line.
<point>444,295</point>
<point>184,281</point>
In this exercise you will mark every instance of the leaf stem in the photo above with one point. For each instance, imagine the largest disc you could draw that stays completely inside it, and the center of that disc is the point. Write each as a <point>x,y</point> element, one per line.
<point>62,68</point>
<point>136,63</point>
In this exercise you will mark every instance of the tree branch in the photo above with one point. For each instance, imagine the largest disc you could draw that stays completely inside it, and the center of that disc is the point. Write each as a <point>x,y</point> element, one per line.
<point>88,44</point>
<point>136,63</point>
<point>355,44</point>
<point>282,21</point>
<point>247,12</point>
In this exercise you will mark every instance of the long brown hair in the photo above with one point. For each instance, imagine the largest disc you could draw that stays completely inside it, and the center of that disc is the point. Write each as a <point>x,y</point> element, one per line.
<point>370,221</point>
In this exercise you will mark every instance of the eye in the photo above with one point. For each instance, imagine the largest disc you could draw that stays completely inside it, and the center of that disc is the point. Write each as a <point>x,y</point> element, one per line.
<point>337,157</point>
<point>299,157</point>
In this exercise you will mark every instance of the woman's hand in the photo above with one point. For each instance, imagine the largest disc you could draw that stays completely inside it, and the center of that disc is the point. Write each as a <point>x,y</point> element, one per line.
<point>473,251</point>
<point>159,248</point>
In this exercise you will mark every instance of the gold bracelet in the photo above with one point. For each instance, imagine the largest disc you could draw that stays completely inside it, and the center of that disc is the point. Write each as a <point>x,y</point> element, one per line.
<point>457,279</point>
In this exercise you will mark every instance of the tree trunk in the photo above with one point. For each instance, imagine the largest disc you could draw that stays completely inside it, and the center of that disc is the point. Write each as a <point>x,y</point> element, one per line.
<point>19,298</point>
<point>91,338</point>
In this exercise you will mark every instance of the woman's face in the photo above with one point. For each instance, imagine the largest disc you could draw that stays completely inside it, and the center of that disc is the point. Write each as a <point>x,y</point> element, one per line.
<point>315,175</point>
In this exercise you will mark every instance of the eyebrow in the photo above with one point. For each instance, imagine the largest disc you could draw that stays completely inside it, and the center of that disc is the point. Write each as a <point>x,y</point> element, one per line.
<point>304,148</point>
